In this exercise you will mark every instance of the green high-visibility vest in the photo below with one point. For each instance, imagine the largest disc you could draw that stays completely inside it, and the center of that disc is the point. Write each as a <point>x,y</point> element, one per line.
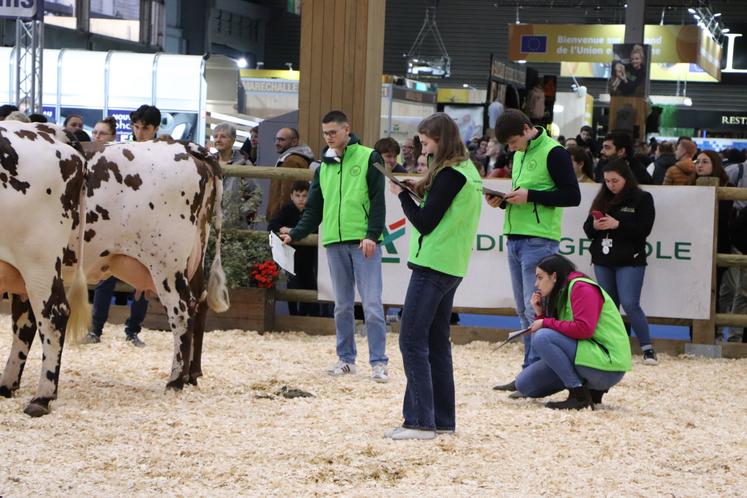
<point>449,246</point>
<point>609,348</point>
<point>530,172</point>
<point>345,191</point>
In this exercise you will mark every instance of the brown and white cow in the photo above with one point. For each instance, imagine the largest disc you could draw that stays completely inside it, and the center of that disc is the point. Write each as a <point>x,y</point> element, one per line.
<point>42,182</point>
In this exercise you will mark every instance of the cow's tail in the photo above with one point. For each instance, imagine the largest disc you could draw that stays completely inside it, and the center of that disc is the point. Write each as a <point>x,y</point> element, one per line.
<point>77,294</point>
<point>217,296</point>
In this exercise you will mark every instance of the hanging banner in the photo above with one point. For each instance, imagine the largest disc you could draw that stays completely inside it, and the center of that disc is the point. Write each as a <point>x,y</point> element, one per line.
<point>593,43</point>
<point>23,9</point>
<point>680,253</point>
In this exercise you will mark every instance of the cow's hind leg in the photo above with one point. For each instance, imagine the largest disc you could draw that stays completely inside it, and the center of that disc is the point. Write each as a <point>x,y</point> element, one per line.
<point>180,305</point>
<point>24,331</point>
<point>197,325</point>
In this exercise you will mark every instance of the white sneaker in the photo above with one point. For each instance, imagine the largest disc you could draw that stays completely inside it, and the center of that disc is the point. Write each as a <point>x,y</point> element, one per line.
<point>392,432</point>
<point>342,368</point>
<point>379,373</point>
<point>406,433</point>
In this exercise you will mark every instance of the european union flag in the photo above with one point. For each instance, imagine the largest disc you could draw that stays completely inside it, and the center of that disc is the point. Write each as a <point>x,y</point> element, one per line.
<point>534,44</point>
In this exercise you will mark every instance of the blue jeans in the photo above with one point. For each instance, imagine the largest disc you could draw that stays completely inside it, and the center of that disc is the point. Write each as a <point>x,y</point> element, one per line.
<point>348,268</point>
<point>523,256</point>
<point>426,351</point>
<point>556,369</point>
<point>102,299</point>
<point>624,284</point>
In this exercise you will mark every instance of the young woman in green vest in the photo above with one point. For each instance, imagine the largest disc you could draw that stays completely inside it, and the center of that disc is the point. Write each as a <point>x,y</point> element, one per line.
<point>444,227</point>
<point>579,337</point>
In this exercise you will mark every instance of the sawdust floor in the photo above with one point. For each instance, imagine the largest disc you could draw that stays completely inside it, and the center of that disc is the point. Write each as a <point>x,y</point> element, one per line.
<point>677,429</point>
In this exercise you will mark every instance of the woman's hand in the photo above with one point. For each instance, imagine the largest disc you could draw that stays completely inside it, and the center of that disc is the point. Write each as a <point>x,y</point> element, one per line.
<point>394,188</point>
<point>606,222</point>
<point>536,302</point>
<point>536,325</point>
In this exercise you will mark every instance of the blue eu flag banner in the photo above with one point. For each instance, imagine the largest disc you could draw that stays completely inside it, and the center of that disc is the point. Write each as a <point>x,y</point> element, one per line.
<point>534,44</point>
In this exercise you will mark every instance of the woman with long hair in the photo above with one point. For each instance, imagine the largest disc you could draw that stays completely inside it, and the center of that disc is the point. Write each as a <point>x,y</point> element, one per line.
<point>583,165</point>
<point>579,337</point>
<point>444,227</point>
<point>621,217</point>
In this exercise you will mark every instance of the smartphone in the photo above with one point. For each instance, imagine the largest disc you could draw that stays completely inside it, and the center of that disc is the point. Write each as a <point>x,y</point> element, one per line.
<point>597,214</point>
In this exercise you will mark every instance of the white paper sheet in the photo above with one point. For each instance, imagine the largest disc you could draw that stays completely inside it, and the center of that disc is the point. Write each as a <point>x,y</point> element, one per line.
<point>282,254</point>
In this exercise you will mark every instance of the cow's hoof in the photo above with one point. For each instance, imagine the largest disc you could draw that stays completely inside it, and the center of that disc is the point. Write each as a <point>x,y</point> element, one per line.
<point>175,385</point>
<point>6,392</point>
<point>36,410</point>
<point>192,381</point>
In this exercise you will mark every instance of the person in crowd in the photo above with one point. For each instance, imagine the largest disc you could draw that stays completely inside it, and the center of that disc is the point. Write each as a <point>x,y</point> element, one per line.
<point>477,163</point>
<point>145,122</point>
<point>73,122</point>
<point>105,130</point>
<point>305,257</point>
<point>708,165</point>
<point>733,156</point>
<point>570,142</point>
<point>81,135</point>
<point>619,145</point>
<point>663,160</point>
<point>444,229</point>
<point>422,165</point>
<point>579,337</point>
<point>409,158</point>
<point>293,154</point>
<point>505,170</point>
<point>621,217</point>
<point>494,158</point>
<point>532,222</point>
<point>642,152</point>
<point>618,83</point>
<point>241,196</point>
<point>18,116</point>
<point>583,166</point>
<point>733,291</point>
<point>6,109</point>
<point>561,140</point>
<point>38,118</point>
<point>682,172</point>
<point>586,140</point>
<point>347,197</point>
<point>388,149</point>
<point>250,147</point>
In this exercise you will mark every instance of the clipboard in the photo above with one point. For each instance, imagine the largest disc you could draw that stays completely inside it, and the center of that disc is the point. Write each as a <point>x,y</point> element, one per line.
<point>513,335</point>
<point>398,182</point>
<point>495,193</point>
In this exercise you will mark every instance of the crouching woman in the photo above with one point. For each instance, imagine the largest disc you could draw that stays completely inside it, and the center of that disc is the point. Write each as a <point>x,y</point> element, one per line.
<point>579,335</point>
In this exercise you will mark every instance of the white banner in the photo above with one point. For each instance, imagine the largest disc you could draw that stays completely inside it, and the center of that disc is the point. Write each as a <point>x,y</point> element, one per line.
<point>25,9</point>
<point>680,253</point>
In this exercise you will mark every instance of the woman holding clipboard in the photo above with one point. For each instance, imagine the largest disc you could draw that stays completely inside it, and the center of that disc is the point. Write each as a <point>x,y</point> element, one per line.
<point>444,226</point>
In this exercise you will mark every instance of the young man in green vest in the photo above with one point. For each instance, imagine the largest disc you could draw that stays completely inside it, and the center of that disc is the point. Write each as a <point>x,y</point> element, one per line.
<point>543,182</point>
<point>347,198</point>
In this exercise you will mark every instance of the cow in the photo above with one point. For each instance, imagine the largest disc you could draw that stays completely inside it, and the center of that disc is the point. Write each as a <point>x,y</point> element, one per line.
<point>42,200</point>
<point>147,211</point>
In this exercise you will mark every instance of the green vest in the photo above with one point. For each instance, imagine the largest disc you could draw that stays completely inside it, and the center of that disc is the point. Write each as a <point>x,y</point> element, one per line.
<point>345,191</point>
<point>609,348</point>
<point>530,172</point>
<point>449,246</point>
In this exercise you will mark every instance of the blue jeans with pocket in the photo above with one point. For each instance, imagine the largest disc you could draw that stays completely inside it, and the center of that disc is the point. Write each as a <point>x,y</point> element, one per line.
<point>102,299</point>
<point>624,284</point>
<point>556,370</point>
<point>424,341</point>
<point>523,256</point>
<point>348,268</point>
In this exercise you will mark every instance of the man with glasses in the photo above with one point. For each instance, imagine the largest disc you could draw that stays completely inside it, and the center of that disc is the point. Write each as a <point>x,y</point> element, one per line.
<point>292,155</point>
<point>347,197</point>
<point>409,158</point>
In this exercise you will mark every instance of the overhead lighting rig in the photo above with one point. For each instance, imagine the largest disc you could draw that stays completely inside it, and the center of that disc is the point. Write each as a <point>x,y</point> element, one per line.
<point>428,66</point>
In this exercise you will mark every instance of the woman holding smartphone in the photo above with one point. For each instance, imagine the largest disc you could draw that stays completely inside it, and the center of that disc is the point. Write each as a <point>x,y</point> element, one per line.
<point>444,227</point>
<point>621,217</point>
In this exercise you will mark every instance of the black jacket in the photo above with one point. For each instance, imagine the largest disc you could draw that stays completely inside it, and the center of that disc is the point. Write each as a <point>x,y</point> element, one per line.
<point>628,248</point>
<point>661,165</point>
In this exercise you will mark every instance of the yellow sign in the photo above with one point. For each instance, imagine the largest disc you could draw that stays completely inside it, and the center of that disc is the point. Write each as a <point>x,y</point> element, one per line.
<point>593,43</point>
<point>460,96</point>
<point>659,72</point>
<point>283,74</point>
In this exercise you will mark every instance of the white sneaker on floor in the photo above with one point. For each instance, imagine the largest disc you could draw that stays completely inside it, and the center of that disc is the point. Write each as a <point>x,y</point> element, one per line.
<point>379,373</point>
<point>392,432</point>
<point>418,434</point>
<point>342,368</point>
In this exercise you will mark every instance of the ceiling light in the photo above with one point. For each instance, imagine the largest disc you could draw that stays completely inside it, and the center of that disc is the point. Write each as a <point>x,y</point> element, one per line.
<point>725,30</point>
<point>717,14</point>
<point>691,10</point>
<point>242,62</point>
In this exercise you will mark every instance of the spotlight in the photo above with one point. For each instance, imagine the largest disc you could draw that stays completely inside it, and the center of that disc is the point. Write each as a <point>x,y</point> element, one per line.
<point>725,30</point>
<point>242,62</point>
<point>691,10</point>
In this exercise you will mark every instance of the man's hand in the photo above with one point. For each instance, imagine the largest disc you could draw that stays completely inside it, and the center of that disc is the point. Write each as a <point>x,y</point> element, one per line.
<point>607,222</point>
<point>493,200</point>
<point>367,246</point>
<point>286,238</point>
<point>394,188</point>
<point>536,325</point>
<point>518,196</point>
<point>284,230</point>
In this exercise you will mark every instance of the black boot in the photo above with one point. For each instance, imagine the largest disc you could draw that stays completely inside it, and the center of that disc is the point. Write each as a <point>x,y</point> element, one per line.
<point>578,398</point>
<point>596,396</point>
<point>511,386</point>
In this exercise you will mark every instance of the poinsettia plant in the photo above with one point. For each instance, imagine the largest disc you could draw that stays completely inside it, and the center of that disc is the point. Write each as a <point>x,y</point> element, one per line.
<point>265,274</point>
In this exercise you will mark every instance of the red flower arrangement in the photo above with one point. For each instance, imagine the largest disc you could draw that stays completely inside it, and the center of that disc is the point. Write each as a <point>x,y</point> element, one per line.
<point>265,274</point>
